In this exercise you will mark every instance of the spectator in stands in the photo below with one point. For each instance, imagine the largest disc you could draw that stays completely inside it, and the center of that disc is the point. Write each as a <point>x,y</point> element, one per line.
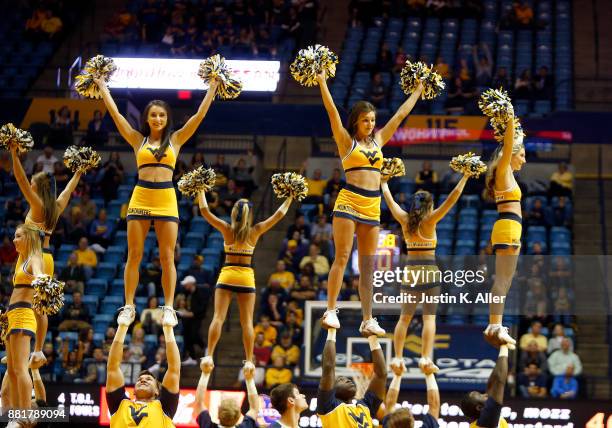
<point>458,96</point>
<point>196,299</point>
<point>51,25</point>
<point>61,174</point>
<point>8,253</point>
<point>282,276</point>
<point>322,291</point>
<point>400,60</point>
<point>73,275</point>
<point>560,272</point>
<point>15,211</point>
<point>483,65</point>
<point>228,197</point>
<point>543,84</point>
<point>97,131</point>
<point>292,327</point>
<point>501,79</point>
<point>319,262</point>
<point>561,181</point>
<point>535,335</point>
<point>303,291</point>
<point>523,89</point>
<point>202,276</point>
<point>463,71</point>
<point>278,373</point>
<point>335,183</point>
<point>76,315</point>
<point>71,366</point>
<point>109,336</point>
<point>427,178</point>
<point>33,25</point>
<point>290,255</point>
<point>316,185</point>
<point>112,177</point>
<point>558,335</point>
<point>77,226</point>
<point>536,300</point>
<point>532,382</point>
<point>562,213</point>
<point>137,345</point>
<point>48,371</point>
<point>130,366</point>
<point>562,358</point>
<point>378,91</point>
<point>197,160</point>
<point>267,330</point>
<point>243,175</point>
<point>562,303</point>
<point>222,170</point>
<point>536,215</point>
<point>87,207</point>
<point>322,228</point>
<point>565,386</point>
<point>60,133</point>
<point>86,257</point>
<point>531,354</point>
<point>288,350</point>
<point>442,68</point>
<point>150,276</point>
<point>85,343</point>
<point>95,371</point>
<point>101,230</point>
<point>299,226</point>
<point>523,14</point>
<point>275,309</point>
<point>151,317</point>
<point>261,351</point>
<point>47,158</point>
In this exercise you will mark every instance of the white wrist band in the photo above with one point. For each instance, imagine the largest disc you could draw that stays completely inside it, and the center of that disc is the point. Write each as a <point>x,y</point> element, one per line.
<point>331,334</point>
<point>169,334</point>
<point>120,334</point>
<point>430,381</point>
<point>374,345</point>
<point>503,351</point>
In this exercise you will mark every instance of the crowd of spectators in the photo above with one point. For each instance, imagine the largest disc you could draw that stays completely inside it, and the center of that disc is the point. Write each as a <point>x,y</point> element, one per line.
<point>45,22</point>
<point>240,29</point>
<point>548,365</point>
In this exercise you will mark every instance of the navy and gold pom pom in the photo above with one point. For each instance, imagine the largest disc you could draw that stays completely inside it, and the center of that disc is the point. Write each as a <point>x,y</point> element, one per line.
<point>10,134</point>
<point>215,68</point>
<point>3,327</point>
<point>48,296</point>
<point>193,182</point>
<point>81,159</point>
<point>468,164</point>
<point>310,62</point>
<point>414,73</point>
<point>99,66</point>
<point>289,185</point>
<point>393,167</point>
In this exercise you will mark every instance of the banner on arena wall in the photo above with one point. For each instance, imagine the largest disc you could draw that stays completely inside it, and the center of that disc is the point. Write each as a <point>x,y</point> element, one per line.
<point>84,406</point>
<point>40,108</point>
<point>166,73</point>
<point>436,128</point>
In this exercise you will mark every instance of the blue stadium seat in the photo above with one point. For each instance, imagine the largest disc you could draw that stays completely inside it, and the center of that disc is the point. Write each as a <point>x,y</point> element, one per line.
<point>193,240</point>
<point>536,233</point>
<point>106,270</point>
<point>114,255</point>
<point>110,304</point>
<point>97,286</point>
<point>64,252</point>
<point>117,287</point>
<point>102,321</point>
<point>91,301</point>
<point>560,234</point>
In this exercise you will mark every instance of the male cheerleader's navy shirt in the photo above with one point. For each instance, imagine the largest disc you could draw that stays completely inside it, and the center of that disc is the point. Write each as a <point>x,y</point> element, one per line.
<point>204,421</point>
<point>428,421</point>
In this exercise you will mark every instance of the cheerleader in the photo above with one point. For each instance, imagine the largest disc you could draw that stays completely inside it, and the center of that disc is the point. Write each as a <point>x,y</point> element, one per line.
<point>156,147</point>
<point>357,208</point>
<point>21,317</point>
<point>419,230</point>
<point>506,235</point>
<point>237,275</point>
<point>45,209</point>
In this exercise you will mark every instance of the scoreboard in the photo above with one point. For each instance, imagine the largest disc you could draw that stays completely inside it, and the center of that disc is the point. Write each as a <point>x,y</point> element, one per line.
<point>387,252</point>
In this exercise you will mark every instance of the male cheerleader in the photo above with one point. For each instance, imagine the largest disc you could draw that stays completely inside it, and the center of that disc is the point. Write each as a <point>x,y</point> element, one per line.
<point>286,398</point>
<point>335,396</point>
<point>154,405</point>
<point>483,410</point>
<point>229,410</point>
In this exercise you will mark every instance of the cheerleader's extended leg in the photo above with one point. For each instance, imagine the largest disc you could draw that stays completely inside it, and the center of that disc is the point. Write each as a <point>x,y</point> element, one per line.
<point>401,330</point>
<point>246,306</point>
<point>167,232</point>
<point>367,242</point>
<point>506,260</point>
<point>5,393</point>
<point>343,230</point>
<point>19,344</point>
<point>223,298</point>
<point>136,234</point>
<point>428,335</point>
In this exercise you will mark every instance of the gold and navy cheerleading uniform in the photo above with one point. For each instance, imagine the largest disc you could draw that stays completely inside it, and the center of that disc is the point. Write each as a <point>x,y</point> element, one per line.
<point>154,200</point>
<point>353,202</point>
<point>508,228</point>
<point>237,277</point>
<point>417,245</point>
<point>21,318</point>
<point>48,262</point>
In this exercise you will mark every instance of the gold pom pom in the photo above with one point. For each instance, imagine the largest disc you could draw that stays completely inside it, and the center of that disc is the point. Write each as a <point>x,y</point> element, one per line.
<point>310,62</point>
<point>10,134</point>
<point>97,67</point>
<point>215,68</point>
<point>48,296</point>
<point>290,185</point>
<point>193,182</point>
<point>468,164</point>
<point>3,327</point>
<point>495,103</point>
<point>393,167</point>
<point>81,159</point>
<point>414,73</point>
